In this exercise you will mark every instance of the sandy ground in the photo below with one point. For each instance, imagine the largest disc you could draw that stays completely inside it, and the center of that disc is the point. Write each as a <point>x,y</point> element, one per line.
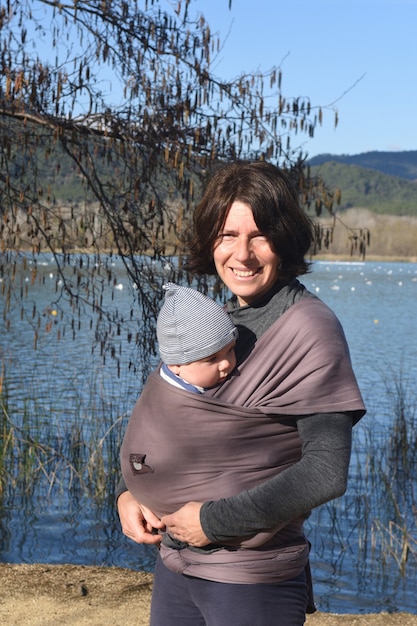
<point>72,595</point>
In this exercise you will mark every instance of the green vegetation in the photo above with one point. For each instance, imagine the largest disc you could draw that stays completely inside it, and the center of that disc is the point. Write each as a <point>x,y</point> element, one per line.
<point>366,188</point>
<point>402,164</point>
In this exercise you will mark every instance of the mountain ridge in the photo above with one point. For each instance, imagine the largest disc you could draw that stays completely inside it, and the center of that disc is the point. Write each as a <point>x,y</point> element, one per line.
<point>384,182</point>
<point>401,163</point>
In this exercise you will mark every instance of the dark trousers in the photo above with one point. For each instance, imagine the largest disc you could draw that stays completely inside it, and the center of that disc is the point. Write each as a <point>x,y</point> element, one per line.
<point>180,600</point>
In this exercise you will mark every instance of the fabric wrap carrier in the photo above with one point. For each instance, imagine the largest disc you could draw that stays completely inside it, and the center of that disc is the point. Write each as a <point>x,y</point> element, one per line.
<point>181,447</point>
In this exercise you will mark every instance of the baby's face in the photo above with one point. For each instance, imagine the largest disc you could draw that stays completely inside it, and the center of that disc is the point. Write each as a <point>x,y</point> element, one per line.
<point>210,371</point>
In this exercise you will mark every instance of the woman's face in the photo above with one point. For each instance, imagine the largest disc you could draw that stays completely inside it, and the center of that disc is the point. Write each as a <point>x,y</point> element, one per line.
<point>243,257</point>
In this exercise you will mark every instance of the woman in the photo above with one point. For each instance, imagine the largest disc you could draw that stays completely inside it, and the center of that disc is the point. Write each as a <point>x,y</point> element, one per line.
<point>278,432</point>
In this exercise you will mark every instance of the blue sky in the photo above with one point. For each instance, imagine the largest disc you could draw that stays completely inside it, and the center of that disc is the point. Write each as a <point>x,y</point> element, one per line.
<point>366,48</point>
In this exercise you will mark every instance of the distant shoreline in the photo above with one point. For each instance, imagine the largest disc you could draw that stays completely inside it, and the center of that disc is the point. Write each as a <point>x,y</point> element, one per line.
<point>369,257</point>
<point>323,256</point>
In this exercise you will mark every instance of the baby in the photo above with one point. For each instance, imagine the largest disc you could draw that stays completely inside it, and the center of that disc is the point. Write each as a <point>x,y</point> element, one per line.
<point>196,339</point>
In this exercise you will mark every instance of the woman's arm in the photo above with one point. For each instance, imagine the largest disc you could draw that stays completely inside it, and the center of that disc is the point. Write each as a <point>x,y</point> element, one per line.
<point>319,476</point>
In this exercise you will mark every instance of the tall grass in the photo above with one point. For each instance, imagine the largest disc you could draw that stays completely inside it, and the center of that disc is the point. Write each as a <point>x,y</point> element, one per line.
<point>372,529</point>
<point>392,479</point>
<point>44,443</point>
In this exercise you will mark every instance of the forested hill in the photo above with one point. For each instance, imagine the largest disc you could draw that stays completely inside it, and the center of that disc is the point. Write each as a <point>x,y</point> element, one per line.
<point>402,164</point>
<point>384,182</point>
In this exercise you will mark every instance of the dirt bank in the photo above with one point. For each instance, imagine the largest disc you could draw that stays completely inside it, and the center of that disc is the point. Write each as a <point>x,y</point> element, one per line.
<point>76,595</point>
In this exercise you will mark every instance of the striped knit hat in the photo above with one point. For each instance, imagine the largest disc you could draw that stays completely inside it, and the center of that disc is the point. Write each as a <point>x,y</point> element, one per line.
<point>191,326</point>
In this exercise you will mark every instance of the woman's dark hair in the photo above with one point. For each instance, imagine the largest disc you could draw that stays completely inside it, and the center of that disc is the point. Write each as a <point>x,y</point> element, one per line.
<point>276,211</point>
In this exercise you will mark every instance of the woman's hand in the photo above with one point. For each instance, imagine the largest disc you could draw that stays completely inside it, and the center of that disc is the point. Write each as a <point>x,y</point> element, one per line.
<point>138,522</point>
<point>185,525</point>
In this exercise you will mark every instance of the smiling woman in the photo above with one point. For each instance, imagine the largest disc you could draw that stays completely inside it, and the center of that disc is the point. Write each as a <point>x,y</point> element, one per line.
<point>238,469</point>
<point>264,194</point>
<point>243,256</point>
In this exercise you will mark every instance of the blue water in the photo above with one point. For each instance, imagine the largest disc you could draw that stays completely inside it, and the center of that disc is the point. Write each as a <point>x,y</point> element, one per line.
<point>376,303</point>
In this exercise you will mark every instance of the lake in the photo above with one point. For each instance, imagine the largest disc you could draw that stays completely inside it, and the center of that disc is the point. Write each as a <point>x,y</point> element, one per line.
<point>58,375</point>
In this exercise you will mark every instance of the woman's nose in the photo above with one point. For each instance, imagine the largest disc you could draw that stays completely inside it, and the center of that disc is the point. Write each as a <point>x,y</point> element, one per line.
<point>243,248</point>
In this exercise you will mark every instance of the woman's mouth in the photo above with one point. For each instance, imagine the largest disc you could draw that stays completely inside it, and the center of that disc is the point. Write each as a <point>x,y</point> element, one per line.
<point>244,273</point>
